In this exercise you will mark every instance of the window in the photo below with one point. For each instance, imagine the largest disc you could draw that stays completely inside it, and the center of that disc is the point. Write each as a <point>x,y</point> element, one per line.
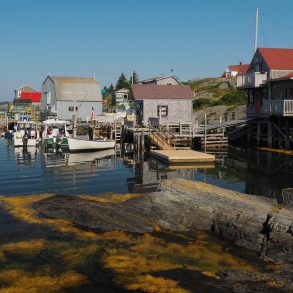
<point>71,108</point>
<point>162,111</point>
<point>48,97</point>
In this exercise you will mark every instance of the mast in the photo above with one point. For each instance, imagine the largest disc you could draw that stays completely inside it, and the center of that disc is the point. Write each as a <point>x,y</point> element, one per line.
<point>256,30</point>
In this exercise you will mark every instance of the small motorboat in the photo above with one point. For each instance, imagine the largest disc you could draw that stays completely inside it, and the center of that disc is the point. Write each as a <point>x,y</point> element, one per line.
<point>80,145</point>
<point>26,131</point>
<point>54,131</point>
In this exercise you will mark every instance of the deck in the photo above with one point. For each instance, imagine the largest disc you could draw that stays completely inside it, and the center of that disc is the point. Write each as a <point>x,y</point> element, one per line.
<point>182,156</point>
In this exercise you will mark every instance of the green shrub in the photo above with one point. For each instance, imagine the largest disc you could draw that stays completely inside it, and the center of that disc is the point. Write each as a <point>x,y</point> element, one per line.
<point>201,103</point>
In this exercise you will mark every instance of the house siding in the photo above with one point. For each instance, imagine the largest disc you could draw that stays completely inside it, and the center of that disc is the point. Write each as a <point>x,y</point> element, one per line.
<point>84,109</point>
<point>48,86</point>
<point>61,106</point>
<point>179,110</point>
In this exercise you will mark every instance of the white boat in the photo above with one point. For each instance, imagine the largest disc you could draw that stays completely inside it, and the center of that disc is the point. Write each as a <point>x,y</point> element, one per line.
<point>76,144</point>
<point>54,131</point>
<point>28,129</point>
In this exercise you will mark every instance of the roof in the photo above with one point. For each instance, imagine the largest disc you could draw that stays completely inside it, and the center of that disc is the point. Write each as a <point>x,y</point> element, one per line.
<point>153,91</point>
<point>160,78</point>
<point>240,68</point>
<point>278,58</point>
<point>286,77</point>
<point>76,88</point>
<point>122,91</point>
<point>27,88</point>
<point>35,97</point>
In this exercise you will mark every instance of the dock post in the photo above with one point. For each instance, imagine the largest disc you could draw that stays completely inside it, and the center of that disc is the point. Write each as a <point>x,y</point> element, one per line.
<point>287,134</point>
<point>269,134</point>
<point>142,142</point>
<point>205,132</point>
<point>258,133</point>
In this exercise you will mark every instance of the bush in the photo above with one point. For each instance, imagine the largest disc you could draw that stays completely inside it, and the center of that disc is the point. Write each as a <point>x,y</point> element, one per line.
<point>201,103</point>
<point>235,97</point>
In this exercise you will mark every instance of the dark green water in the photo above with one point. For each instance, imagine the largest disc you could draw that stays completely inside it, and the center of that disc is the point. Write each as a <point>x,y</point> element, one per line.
<point>34,172</point>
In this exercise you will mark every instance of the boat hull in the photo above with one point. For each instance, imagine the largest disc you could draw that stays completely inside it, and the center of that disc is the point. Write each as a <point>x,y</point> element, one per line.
<point>19,143</point>
<point>79,145</point>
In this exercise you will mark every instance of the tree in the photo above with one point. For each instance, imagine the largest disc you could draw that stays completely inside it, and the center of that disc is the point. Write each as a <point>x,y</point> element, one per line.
<point>111,89</point>
<point>122,82</point>
<point>135,78</point>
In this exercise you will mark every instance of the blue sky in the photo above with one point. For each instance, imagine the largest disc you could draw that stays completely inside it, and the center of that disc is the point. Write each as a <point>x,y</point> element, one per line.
<point>75,37</point>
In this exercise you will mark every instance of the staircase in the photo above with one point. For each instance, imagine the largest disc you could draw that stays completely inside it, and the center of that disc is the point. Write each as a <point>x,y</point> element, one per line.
<point>162,139</point>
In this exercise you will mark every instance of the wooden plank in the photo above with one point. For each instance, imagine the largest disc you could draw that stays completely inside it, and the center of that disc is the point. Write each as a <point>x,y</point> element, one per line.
<point>182,156</point>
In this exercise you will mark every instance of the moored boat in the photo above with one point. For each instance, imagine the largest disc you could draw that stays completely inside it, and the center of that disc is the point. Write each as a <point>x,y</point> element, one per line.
<point>80,145</point>
<point>54,131</point>
<point>26,133</point>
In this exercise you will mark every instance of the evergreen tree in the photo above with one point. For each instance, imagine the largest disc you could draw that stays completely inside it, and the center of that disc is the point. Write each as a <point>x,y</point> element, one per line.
<point>111,89</point>
<point>135,78</point>
<point>122,82</point>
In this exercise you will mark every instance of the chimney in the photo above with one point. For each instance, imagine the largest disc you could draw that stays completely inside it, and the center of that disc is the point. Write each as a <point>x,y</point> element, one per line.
<point>240,63</point>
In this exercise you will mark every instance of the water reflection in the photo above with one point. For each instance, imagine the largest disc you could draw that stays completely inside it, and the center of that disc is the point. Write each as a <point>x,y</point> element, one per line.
<point>33,171</point>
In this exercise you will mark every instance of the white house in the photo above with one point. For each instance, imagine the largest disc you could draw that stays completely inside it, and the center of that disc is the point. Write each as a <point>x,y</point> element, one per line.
<point>162,80</point>
<point>64,95</point>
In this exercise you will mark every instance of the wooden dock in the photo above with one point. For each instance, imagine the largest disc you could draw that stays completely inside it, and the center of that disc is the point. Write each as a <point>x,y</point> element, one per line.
<point>182,156</point>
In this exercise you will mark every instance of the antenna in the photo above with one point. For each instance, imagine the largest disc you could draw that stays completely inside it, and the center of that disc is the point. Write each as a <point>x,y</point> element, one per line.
<point>256,30</point>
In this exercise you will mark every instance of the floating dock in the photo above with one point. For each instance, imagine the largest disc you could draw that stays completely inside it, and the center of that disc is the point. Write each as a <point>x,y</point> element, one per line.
<point>182,156</point>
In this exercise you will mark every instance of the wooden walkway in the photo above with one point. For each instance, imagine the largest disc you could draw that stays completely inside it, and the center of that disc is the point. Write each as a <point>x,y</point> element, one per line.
<point>182,156</point>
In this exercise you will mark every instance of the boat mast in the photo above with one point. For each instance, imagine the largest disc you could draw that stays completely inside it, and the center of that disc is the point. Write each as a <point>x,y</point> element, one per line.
<point>256,30</point>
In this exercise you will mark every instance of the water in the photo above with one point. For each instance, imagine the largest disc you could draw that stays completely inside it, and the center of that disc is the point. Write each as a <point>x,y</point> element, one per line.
<point>34,172</point>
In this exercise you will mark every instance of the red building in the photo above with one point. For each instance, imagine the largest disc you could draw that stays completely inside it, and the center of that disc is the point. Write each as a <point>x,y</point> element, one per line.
<point>27,92</point>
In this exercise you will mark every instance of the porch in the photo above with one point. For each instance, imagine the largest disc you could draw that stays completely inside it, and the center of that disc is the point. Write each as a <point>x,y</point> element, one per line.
<point>251,80</point>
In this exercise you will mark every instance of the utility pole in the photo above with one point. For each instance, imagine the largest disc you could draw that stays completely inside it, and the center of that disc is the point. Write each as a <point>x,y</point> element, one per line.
<point>256,30</point>
<point>74,118</point>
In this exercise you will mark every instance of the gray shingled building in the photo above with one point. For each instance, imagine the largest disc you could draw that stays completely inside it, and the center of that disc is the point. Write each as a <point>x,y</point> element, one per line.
<point>62,95</point>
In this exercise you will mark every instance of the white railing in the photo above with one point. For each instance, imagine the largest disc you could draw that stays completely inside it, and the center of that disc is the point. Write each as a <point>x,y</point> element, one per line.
<point>252,79</point>
<point>278,107</point>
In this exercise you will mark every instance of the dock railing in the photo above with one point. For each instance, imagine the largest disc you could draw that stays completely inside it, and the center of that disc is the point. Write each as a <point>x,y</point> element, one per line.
<point>278,107</point>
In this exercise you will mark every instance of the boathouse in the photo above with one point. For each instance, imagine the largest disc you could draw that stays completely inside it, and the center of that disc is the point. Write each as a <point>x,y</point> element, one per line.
<point>66,95</point>
<point>170,103</point>
<point>269,86</point>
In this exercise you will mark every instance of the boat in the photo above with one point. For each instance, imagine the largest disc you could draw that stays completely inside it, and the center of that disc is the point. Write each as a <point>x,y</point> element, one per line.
<point>79,145</point>
<point>54,131</point>
<point>28,128</point>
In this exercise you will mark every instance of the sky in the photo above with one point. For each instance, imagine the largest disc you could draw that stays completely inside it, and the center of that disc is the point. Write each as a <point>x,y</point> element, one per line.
<point>76,37</point>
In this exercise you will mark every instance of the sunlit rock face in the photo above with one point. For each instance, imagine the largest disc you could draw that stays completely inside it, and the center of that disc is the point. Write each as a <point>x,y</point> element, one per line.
<point>255,223</point>
<point>83,243</point>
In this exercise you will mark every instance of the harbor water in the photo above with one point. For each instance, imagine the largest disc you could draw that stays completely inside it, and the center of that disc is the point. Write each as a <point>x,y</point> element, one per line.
<point>35,172</point>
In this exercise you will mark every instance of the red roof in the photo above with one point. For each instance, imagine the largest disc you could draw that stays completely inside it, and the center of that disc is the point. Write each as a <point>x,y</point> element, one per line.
<point>278,58</point>
<point>154,91</point>
<point>34,97</point>
<point>240,68</point>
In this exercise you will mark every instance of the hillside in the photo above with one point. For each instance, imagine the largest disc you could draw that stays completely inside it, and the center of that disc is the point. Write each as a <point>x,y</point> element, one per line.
<point>215,92</point>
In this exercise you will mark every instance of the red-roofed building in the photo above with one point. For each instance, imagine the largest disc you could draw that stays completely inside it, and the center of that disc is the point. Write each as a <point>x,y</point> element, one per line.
<point>170,103</point>
<point>269,86</point>
<point>27,92</point>
<point>233,70</point>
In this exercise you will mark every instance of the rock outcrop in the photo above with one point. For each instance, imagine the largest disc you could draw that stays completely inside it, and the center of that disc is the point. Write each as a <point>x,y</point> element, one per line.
<point>252,222</point>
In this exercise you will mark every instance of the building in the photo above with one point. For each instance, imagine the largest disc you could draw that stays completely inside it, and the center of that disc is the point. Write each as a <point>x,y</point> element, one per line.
<point>121,96</point>
<point>269,86</point>
<point>233,70</point>
<point>170,103</point>
<point>162,80</point>
<point>68,95</point>
<point>26,92</point>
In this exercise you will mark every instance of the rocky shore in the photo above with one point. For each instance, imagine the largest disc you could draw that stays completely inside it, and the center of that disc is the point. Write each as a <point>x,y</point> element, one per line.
<point>252,222</point>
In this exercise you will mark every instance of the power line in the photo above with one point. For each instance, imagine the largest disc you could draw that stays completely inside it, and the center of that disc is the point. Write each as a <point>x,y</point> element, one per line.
<point>263,32</point>
<point>277,21</point>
